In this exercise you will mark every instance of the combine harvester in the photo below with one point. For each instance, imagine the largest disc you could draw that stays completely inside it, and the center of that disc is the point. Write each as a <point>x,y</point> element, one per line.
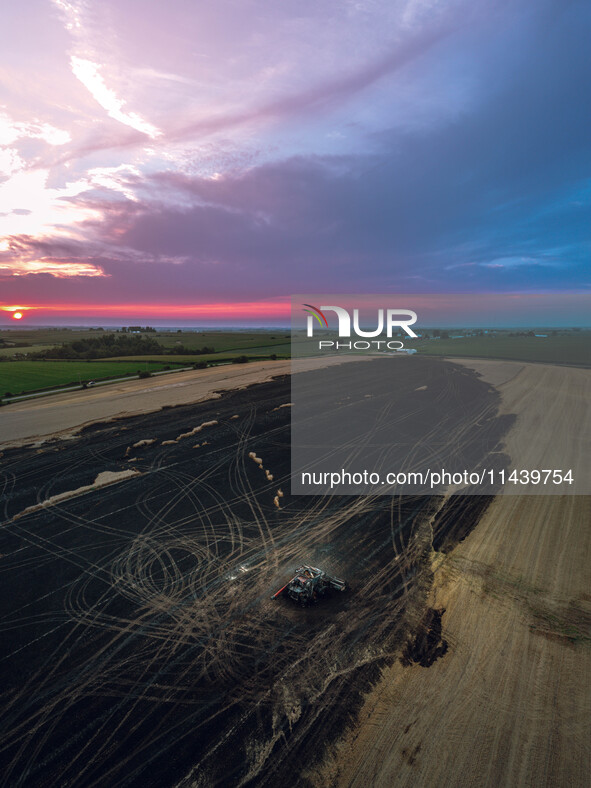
<point>308,584</point>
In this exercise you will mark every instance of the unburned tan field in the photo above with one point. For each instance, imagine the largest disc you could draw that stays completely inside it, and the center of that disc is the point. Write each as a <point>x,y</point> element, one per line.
<point>62,414</point>
<point>57,414</point>
<point>510,702</point>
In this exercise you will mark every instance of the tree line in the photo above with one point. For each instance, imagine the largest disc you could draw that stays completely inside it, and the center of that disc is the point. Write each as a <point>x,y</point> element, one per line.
<point>110,346</point>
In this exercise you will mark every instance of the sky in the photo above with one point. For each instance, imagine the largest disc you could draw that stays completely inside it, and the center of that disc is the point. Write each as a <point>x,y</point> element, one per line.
<point>186,161</point>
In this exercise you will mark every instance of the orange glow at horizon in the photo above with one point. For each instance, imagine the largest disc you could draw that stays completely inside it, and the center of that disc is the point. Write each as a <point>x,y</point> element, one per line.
<point>17,312</point>
<point>245,310</point>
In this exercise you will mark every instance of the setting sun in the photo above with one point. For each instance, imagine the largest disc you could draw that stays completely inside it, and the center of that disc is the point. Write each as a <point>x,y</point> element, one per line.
<point>16,311</point>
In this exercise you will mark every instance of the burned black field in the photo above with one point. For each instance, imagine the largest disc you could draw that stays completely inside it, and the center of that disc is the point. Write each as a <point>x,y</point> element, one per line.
<point>140,643</point>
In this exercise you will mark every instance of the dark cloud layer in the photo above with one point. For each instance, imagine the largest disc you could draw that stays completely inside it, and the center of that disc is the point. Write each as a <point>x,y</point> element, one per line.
<point>496,199</point>
<point>507,182</point>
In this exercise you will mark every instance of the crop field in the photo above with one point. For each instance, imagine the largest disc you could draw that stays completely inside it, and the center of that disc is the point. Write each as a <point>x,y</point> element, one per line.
<point>174,358</point>
<point>140,612</point>
<point>571,348</point>
<point>226,344</point>
<point>23,376</point>
<point>11,350</point>
<point>230,341</point>
<point>509,703</point>
<point>47,337</point>
<point>43,338</point>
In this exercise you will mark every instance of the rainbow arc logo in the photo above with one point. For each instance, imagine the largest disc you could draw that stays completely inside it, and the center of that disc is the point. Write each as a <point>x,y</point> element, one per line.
<point>317,314</point>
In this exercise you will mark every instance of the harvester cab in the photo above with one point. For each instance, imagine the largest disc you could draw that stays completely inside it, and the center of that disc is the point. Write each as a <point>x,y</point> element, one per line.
<point>308,584</point>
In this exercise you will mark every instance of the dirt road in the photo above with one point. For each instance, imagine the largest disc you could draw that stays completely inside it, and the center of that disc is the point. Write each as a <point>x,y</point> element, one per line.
<point>57,414</point>
<point>510,702</point>
<point>62,414</point>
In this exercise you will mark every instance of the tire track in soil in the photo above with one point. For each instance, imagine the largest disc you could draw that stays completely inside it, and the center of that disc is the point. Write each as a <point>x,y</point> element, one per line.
<point>145,648</point>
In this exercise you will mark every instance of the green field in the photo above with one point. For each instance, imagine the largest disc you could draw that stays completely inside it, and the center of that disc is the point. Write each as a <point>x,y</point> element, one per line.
<point>47,336</point>
<point>562,347</point>
<point>254,354</point>
<point>24,376</point>
<point>228,341</point>
<point>11,351</point>
<point>571,348</point>
<point>227,344</point>
<point>221,340</point>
